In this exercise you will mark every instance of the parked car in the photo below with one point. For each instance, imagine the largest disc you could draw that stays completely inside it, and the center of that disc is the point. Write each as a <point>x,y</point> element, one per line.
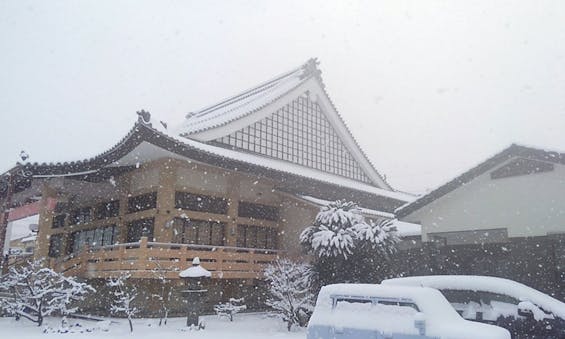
<point>359,311</point>
<point>524,311</point>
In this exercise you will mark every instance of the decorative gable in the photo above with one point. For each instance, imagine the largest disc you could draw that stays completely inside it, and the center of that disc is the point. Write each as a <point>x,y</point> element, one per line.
<point>299,132</point>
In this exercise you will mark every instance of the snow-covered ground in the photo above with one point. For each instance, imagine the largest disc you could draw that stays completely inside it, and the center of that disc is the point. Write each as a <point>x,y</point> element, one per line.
<point>244,326</point>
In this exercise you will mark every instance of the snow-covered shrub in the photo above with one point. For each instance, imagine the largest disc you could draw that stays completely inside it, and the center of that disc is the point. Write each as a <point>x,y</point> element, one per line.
<point>123,295</point>
<point>37,291</point>
<point>347,247</point>
<point>233,306</point>
<point>333,232</point>
<point>290,291</point>
<point>380,236</point>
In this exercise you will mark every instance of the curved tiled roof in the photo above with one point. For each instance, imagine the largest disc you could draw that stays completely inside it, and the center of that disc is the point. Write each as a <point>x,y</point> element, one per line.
<point>202,152</point>
<point>244,103</point>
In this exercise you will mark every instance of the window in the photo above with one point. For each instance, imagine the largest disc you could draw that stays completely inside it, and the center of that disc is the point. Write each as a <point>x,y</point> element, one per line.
<point>142,202</point>
<point>59,220</point>
<point>104,236</point>
<point>258,211</point>
<point>200,232</point>
<point>201,203</point>
<point>250,236</point>
<point>81,216</point>
<point>140,228</point>
<point>107,210</point>
<point>56,245</point>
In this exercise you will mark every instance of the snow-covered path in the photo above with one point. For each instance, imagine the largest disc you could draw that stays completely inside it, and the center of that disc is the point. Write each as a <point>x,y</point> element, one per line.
<point>245,326</point>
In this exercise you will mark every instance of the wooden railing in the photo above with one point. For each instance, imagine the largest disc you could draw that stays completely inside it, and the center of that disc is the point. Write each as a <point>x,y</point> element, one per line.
<point>145,259</point>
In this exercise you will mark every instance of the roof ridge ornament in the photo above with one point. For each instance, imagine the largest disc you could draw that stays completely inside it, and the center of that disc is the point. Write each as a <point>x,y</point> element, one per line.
<point>144,117</point>
<point>310,68</point>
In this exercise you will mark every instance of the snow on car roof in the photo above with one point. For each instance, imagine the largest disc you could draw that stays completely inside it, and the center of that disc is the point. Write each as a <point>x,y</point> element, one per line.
<point>426,298</point>
<point>441,319</point>
<point>486,284</point>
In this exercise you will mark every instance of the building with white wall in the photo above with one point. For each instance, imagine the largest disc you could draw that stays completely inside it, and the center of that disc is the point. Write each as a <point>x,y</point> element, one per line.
<point>519,192</point>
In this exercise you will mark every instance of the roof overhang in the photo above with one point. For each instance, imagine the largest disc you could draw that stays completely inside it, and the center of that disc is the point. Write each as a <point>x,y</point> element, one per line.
<point>144,143</point>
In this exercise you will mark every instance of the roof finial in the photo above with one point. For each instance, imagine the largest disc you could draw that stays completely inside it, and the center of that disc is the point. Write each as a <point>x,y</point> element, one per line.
<point>144,117</point>
<point>23,155</point>
<point>310,68</point>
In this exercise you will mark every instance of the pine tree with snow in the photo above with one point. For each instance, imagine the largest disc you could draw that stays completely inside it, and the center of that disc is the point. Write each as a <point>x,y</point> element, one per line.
<point>346,246</point>
<point>123,295</point>
<point>290,291</point>
<point>37,291</point>
<point>229,309</point>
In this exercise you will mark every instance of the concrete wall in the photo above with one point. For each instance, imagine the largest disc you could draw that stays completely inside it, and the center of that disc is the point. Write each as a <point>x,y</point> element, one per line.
<point>527,205</point>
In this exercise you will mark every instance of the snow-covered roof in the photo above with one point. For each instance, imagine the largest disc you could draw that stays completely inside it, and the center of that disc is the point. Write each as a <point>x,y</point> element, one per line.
<point>297,169</point>
<point>287,167</point>
<point>512,151</point>
<point>247,108</point>
<point>243,103</point>
<point>365,211</point>
<point>486,284</point>
<point>150,139</point>
<point>407,229</point>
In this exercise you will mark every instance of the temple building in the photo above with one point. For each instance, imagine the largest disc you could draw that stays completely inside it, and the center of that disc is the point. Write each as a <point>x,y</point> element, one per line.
<point>234,184</point>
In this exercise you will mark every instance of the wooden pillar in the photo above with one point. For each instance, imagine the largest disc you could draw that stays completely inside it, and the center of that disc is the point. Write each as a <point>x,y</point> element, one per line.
<point>162,231</point>
<point>45,223</point>
<point>123,189</point>
<point>233,196</point>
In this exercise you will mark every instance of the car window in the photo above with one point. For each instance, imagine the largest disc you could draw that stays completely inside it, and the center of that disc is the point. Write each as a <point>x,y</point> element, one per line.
<point>460,296</point>
<point>488,297</point>
<point>352,304</point>
<point>400,304</point>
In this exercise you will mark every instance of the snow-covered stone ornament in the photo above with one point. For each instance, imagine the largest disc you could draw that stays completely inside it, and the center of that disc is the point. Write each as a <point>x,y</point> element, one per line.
<point>195,293</point>
<point>196,271</point>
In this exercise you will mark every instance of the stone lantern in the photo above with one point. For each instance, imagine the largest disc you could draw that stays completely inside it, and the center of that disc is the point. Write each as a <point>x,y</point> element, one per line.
<point>195,292</point>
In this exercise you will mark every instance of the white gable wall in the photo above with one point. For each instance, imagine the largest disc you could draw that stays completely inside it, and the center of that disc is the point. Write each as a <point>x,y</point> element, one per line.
<point>527,205</point>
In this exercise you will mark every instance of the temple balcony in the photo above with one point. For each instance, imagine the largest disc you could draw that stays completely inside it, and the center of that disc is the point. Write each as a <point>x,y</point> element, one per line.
<point>152,260</point>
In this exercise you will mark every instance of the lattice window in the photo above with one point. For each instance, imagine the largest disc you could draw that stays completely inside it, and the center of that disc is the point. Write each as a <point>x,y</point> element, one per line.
<point>299,133</point>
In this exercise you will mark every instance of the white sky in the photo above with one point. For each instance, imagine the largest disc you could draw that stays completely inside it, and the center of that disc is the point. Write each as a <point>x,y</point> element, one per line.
<point>428,88</point>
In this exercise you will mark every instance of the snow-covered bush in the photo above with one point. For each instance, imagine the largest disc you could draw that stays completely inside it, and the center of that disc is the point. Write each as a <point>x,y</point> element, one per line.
<point>380,236</point>
<point>37,291</point>
<point>347,247</point>
<point>233,306</point>
<point>333,232</point>
<point>123,295</point>
<point>290,291</point>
